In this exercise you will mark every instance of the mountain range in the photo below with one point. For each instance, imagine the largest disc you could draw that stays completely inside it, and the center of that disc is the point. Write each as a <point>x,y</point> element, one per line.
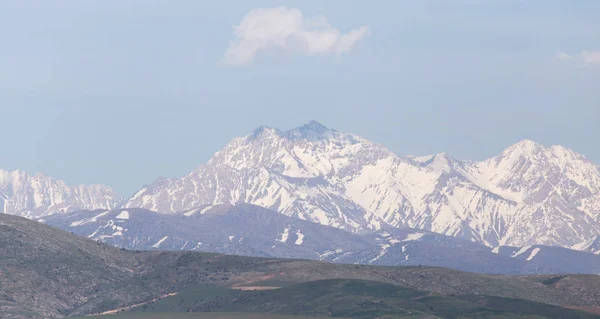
<point>41,195</point>
<point>528,195</point>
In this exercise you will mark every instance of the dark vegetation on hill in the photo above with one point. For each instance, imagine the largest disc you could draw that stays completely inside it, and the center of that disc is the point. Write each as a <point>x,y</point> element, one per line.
<point>49,273</point>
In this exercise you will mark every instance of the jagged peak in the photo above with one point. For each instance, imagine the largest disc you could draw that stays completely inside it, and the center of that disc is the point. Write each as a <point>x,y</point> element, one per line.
<point>439,162</point>
<point>524,148</point>
<point>312,129</point>
<point>527,145</point>
<point>265,131</point>
<point>531,149</point>
<point>443,155</point>
<point>429,159</point>
<point>15,171</point>
<point>315,127</point>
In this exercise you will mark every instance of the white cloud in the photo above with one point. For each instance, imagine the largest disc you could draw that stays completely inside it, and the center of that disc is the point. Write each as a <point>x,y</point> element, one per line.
<point>563,56</point>
<point>592,57</point>
<point>283,30</point>
<point>587,57</point>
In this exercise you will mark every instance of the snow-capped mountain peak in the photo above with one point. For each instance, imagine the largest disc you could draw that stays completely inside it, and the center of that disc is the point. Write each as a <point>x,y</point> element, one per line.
<point>311,130</point>
<point>265,132</point>
<point>529,194</point>
<point>525,146</point>
<point>40,195</point>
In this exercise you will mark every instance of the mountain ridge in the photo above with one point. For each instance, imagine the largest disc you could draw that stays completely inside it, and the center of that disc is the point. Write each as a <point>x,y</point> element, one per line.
<point>38,195</point>
<point>249,230</point>
<point>490,201</point>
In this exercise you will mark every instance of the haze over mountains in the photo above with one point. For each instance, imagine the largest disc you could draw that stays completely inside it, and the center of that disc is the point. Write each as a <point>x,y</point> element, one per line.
<point>528,195</point>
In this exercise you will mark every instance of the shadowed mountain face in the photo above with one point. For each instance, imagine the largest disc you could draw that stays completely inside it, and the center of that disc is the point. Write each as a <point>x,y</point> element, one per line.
<point>529,194</point>
<point>50,273</point>
<point>254,231</point>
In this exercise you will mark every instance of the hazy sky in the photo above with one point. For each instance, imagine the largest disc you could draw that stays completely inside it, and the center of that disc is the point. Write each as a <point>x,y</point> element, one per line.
<point>120,92</point>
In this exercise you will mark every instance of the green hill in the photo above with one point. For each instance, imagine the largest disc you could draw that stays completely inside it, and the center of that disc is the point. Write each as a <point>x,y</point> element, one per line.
<point>355,299</point>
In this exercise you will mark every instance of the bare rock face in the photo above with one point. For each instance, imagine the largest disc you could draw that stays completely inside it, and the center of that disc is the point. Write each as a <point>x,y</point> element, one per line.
<point>529,194</point>
<point>40,195</point>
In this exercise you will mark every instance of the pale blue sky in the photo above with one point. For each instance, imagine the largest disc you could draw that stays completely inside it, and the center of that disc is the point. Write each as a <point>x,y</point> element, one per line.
<point>120,92</point>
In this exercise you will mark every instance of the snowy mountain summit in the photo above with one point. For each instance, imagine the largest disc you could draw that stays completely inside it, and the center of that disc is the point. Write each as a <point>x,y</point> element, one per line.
<point>529,194</point>
<point>39,195</point>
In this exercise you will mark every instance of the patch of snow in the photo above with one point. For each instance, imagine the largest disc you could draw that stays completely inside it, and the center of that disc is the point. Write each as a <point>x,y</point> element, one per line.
<point>77,223</point>
<point>139,193</point>
<point>534,252</point>
<point>89,220</point>
<point>123,215</point>
<point>190,212</point>
<point>521,251</point>
<point>300,239</point>
<point>414,236</point>
<point>284,235</point>
<point>206,209</point>
<point>382,252</point>
<point>196,210</point>
<point>158,243</point>
<point>94,233</point>
<point>329,253</point>
<point>586,245</point>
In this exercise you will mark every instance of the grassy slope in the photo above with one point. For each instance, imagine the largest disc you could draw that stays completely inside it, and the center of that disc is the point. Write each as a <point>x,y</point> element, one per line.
<point>206,315</point>
<point>355,299</point>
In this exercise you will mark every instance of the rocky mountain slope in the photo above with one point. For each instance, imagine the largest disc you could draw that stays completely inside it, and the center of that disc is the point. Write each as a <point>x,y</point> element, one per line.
<point>251,230</point>
<point>529,194</point>
<point>50,273</point>
<point>40,195</point>
<point>592,245</point>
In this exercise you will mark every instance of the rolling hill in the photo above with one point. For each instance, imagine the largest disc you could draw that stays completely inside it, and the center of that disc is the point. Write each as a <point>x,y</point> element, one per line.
<point>50,273</point>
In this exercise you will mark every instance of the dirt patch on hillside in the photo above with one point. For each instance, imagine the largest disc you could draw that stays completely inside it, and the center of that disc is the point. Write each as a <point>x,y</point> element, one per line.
<point>247,288</point>
<point>115,311</point>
